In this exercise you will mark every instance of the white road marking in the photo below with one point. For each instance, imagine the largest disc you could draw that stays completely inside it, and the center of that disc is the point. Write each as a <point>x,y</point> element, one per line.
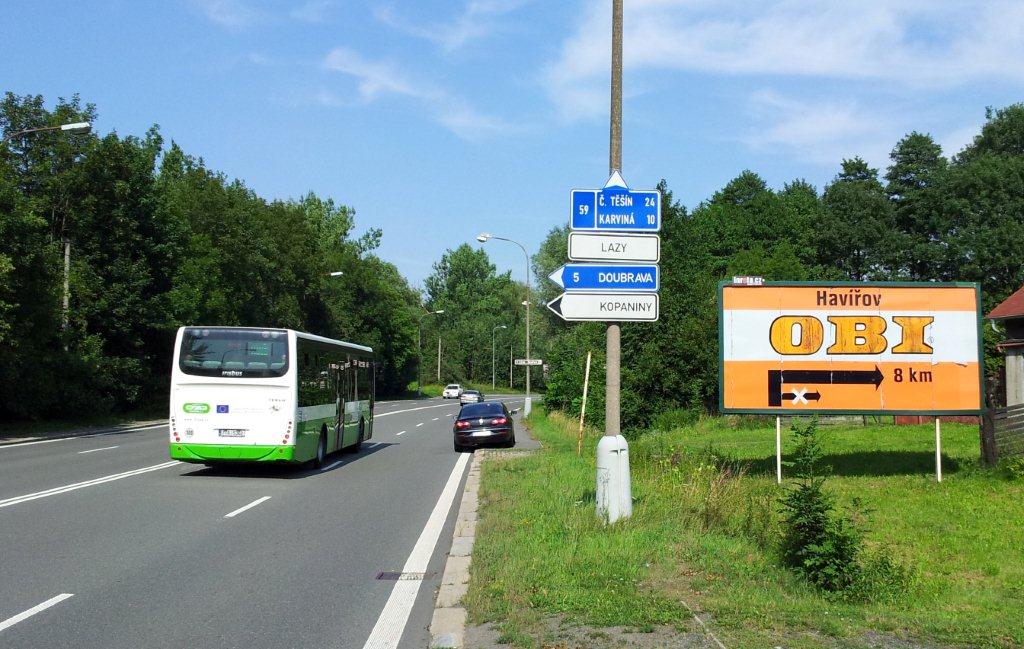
<point>67,439</point>
<point>435,418</point>
<point>93,450</point>
<point>330,466</point>
<point>249,506</point>
<point>9,622</point>
<point>401,433</point>
<point>82,485</point>
<point>385,414</point>
<point>391,623</point>
<point>419,424</point>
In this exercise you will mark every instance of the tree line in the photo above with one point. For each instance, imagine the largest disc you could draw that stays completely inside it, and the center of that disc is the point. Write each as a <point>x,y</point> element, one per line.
<point>158,240</point>
<point>926,218</point>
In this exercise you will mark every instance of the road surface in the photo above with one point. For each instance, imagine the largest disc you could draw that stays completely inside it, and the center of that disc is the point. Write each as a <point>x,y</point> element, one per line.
<point>108,543</point>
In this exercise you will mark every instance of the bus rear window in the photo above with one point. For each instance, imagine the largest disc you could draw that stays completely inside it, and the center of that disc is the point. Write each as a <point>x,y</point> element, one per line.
<point>234,353</point>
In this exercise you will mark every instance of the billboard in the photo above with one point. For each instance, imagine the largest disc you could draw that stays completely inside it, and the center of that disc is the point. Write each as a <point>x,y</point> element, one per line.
<point>850,347</point>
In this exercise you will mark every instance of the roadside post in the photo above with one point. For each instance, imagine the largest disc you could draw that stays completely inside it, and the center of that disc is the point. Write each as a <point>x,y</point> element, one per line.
<point>583,407</point>
<point>850,348</point>
<point>614,230</point>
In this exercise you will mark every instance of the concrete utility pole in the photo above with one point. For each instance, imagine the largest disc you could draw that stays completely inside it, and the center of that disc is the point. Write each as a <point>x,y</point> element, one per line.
<point>614,489</point>
<point>494,330</point>
<point>439,357</point>
<point>419,351</point>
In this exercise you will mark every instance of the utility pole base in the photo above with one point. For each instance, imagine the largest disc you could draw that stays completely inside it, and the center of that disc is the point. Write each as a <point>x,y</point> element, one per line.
<point>614,488</point>
<point>527,406</point>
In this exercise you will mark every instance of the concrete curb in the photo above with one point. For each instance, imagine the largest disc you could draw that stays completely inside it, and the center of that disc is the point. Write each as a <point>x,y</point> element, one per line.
<point>83,432</point>
<point>448,626</point>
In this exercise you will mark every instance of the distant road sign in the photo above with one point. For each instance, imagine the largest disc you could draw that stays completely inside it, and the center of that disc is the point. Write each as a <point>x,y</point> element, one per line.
<point>607,277</point>
<point>606,307</point>
<point>529,361</point>
<point>615,207</point>
<point>600,246</point>
<point>865,347</point>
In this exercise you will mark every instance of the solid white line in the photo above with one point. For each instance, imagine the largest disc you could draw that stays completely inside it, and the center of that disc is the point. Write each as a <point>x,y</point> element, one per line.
<point>391,623</point>
<point>385,414</point>
<point>67,439</point>
<point>82,485</point>
<point>419,424</point>
<point>249,506</point>
<point>9,622</point>
<point>93,450</point>
<point>401,433</point>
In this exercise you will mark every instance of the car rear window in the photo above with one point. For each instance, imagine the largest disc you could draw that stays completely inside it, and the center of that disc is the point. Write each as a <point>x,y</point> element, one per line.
<point>481,410</point>
<point>451,387</point>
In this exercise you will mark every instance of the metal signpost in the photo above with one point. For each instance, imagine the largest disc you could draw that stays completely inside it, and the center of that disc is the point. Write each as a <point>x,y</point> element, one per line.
<point>851,348</point>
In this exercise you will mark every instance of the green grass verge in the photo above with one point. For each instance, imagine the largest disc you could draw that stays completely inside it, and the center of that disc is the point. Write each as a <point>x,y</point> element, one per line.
<point>434,389</point>
<point>707,538</point>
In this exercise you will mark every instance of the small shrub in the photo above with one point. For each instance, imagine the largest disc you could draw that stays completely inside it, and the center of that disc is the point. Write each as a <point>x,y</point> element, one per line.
<point>677,418</point>
<point>1014,467</point>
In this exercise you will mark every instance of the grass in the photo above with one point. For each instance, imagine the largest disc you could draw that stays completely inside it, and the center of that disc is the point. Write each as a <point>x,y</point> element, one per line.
<point>35,427</point>
<point>707,537</point>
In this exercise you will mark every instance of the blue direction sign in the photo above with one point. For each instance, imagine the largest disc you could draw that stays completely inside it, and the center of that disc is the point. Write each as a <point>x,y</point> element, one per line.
<point>607,277</point>
<point>616,208</point>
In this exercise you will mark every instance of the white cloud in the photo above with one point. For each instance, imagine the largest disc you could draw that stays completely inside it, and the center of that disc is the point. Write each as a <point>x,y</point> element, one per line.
<point>375,79</point>
<point>313,11</point>
<point>820,131</point>
<point>231,14</point>
<point>478,19</point>
<point>897,42</point>
<point>953,142</point>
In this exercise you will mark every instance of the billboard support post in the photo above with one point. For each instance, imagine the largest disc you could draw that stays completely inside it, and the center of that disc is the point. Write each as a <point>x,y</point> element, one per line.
<point>938,450</point>
<point>778,450</point>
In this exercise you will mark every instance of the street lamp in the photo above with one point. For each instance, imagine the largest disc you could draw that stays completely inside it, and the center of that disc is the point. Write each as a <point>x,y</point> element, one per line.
<point>494,331</point>
<point>73,128</point>
<point>419,351</point>
<point>484,237</point>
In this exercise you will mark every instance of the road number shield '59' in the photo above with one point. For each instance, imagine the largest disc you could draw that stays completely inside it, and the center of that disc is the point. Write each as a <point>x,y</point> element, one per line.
<point>897,348</point>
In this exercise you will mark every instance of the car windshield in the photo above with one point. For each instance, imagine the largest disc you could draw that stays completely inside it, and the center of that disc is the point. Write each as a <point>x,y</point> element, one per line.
<point>481,410</point>
<point>453,386</point>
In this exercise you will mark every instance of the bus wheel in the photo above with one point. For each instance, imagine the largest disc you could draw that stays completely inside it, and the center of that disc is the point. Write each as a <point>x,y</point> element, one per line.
<point>321,450</point>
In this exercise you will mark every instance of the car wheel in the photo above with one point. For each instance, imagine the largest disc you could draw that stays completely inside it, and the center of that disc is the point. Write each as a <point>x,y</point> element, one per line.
<point>510,443</point>
<point>459,448</point>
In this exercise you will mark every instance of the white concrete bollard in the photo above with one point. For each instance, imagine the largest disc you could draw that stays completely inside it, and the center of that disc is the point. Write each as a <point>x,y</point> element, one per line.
<point>614,485</point>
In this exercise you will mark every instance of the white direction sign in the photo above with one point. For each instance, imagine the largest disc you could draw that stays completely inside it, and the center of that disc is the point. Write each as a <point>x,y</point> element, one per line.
<point>529,361</point>
<point>594,246</point>
<point>606,307</point>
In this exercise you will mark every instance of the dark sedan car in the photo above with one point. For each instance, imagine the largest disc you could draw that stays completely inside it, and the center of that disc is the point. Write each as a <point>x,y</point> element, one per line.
<point>489,422</point>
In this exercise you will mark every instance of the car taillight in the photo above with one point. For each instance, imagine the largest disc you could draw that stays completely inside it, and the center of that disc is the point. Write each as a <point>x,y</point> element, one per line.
<point>462,424</point>
<point>498,421</point>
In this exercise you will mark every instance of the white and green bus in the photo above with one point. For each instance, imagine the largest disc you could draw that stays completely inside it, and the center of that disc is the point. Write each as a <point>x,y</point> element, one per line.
<point>241,394</point>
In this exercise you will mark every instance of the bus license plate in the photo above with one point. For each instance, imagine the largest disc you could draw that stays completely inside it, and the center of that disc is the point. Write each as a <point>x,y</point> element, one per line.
<point>231,432</point>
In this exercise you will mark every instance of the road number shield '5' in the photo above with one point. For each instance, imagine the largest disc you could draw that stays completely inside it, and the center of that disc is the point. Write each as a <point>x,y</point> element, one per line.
<point>906,348</point>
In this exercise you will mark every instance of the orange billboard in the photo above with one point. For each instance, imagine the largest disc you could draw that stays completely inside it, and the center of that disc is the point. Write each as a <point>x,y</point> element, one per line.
<point>845,347</point>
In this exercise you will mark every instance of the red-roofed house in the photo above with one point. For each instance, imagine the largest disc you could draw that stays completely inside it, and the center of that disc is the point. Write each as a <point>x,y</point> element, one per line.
<point>1011,313</point>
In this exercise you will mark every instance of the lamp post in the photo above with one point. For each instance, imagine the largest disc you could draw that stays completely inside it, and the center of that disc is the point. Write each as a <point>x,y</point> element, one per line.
<point>493,361</point>
<point>419,351</point>
<point>484,237</point>
<point>73,128</point>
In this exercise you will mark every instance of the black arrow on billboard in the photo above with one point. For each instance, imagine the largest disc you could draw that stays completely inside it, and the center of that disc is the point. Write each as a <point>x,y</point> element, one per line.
<point>776,378</point>
<point>806,396</point>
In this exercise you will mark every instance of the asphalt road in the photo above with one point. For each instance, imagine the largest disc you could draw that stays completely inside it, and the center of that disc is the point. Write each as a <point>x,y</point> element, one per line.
<point>105,542</point>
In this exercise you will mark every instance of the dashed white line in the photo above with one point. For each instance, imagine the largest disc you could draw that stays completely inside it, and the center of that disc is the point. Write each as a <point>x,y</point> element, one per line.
<point>435,418</point>
<point>395,412</point>
<point>9,622</point>
<point>93,450</point>
<point>82,485</point>
<point>249,506</point>
<point>419,424</point>
<point>391,624</point>
<point>401,433</point>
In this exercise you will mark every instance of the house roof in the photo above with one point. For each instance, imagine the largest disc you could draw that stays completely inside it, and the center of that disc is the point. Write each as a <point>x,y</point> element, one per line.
<point>1011,307</point>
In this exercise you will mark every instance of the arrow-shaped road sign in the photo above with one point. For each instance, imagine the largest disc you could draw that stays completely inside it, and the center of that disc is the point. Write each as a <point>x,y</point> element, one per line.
<point>615,207</point>
<point>606,307</point>
<point>607,277</point>
<point>776,378</point>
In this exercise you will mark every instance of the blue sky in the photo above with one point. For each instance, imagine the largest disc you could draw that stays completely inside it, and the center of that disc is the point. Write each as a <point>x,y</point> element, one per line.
<point>440,119</point>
